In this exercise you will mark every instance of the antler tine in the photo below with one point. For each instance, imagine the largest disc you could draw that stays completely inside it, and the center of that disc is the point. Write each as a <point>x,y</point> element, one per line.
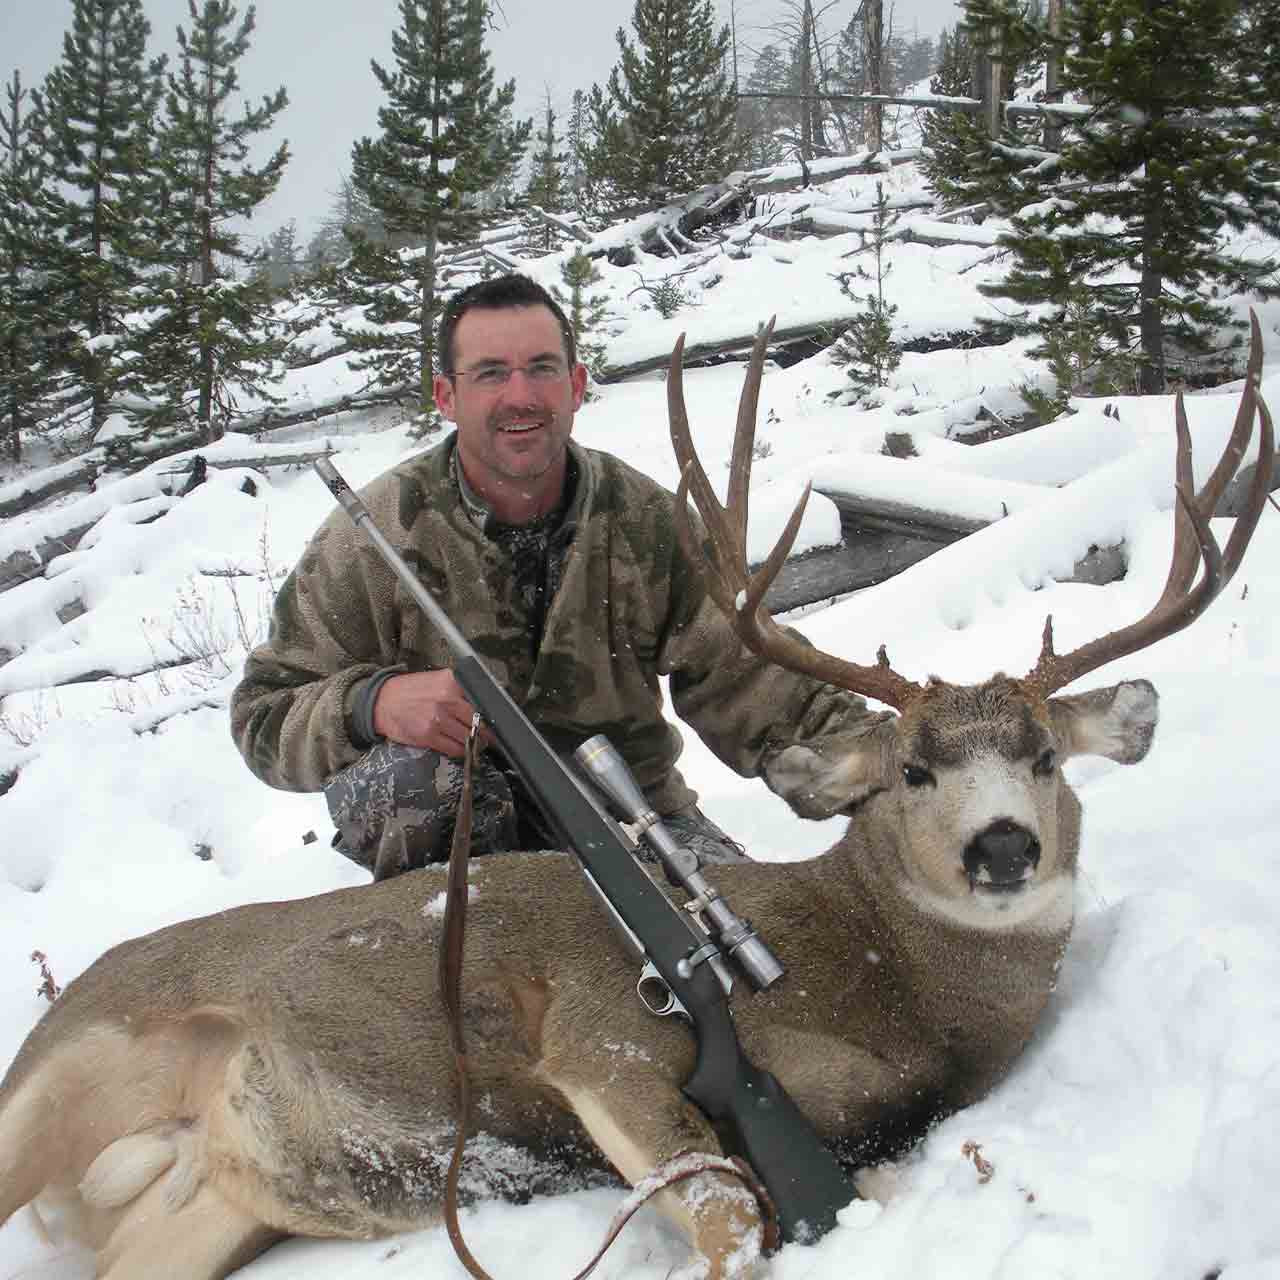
<point>693,477</point>
<point>738,594</point>
<point>744,435</point>
<point>1193,545</point>
<point>1186,559</point>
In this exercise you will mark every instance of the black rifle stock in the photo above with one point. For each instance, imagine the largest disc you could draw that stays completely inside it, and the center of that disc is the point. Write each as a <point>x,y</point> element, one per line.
<point>755,1116</point>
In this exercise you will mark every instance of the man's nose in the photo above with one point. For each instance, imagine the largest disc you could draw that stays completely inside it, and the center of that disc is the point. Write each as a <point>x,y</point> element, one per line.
<point>525,384</point>
<point>520,390</point>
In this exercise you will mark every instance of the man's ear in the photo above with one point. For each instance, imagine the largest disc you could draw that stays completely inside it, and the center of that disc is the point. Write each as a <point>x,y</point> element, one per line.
<point>1117,722</point>
<point>578,379</point>
<point>442,393</point>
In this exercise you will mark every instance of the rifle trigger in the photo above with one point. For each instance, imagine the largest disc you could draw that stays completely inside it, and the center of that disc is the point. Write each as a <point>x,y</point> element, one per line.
<point>655,995</point>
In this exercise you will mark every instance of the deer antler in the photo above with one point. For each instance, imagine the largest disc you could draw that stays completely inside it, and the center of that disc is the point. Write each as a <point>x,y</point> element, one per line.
<point>1193,542</point>
<point>737,591</point>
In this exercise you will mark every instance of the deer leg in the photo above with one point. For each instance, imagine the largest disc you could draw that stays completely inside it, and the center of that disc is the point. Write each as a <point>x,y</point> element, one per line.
<point>639,1119</point>
<point>206,1239</point>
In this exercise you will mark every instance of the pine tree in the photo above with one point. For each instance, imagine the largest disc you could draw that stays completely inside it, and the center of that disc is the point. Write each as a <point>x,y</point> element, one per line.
<point>26,375</point>
<point>1141,239</point>
<point>283,259</point>
<point>350,215</point>
<point>915,58</point>
<point>443,142</point>
<point>963,163</point>
<point>96,116</point>
<point>548,187</point>
<point>867,347</point>
<point>768,126</point>
<point>586,311</point>
<point>577,138</point>
<point>213,319</point>
<point>667,122</point>
<point>510,141</point>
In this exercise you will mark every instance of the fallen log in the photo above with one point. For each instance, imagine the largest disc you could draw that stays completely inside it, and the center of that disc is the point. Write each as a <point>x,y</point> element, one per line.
<point>816,172</point>
<point>558,223</point>
<point>1238,490</point>
<point>884,530</point>
<point>300,455</point>
<point>700,352</point>
<point>26,494</point>
<point>275,418</point>
<point>871,553</point>
<point>24,564</point>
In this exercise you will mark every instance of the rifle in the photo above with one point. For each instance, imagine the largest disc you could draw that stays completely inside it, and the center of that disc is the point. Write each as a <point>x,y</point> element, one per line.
<point>755,1116</point>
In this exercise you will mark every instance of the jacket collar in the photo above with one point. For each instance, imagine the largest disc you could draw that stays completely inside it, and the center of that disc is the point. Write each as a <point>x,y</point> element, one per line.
<point>580,482</point>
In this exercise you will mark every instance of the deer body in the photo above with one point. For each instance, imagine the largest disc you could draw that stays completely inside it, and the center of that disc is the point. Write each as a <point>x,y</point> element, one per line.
<point>285,1065</point>
<point>287,1069</point>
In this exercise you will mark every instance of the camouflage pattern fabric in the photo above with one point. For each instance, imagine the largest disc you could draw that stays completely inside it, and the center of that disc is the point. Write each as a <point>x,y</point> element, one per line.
<point>395,810</point>
<point>629,609</point>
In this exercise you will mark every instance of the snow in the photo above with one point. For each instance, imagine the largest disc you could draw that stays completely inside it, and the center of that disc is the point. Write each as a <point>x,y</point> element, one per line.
<point>1135,1140</point>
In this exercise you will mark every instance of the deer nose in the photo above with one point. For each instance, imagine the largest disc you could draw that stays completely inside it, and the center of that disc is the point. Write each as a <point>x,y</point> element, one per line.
<point>1003,856</point>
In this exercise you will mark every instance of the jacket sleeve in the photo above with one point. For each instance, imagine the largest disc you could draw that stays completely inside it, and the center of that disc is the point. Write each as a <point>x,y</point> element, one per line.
<point>332,627</point>
<point>744,708</point>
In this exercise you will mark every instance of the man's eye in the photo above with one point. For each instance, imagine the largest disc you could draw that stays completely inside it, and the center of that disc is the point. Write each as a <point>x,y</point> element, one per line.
<point>544,370</point>
<point>494,376</point>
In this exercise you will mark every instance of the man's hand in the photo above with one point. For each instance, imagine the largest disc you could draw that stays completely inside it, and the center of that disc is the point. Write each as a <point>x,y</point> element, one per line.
<point>425,709</point>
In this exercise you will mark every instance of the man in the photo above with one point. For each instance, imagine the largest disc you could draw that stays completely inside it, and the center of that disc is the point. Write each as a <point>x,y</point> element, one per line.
<point>562,567</point>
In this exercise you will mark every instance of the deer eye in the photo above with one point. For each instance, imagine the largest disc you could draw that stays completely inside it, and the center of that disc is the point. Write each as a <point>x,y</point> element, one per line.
<point>1045,764</point>
<point>915,775</point>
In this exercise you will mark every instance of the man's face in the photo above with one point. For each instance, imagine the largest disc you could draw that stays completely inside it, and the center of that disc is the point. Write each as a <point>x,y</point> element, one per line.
<point>512,435</point>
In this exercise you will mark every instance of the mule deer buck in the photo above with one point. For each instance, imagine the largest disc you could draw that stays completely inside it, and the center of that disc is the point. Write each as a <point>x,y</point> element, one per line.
<point>204,1090</point>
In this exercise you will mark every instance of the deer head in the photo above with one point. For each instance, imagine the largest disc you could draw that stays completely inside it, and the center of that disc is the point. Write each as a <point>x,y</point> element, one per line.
<point>971,809</point>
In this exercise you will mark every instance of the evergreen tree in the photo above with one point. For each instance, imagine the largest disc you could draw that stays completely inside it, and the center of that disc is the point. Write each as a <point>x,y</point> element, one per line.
<point>350,216</point>
<point>667,122</point>
<point>283,259</point>
<point>963,163</point>
<point>213,319</point>
<point>96,115</point>
<point>510,141</point>
<point>808,76</point>
<point>585,311</point>
<point>548,185</point>
<point>850,76</point>
<point>867,347</point>
<point>577,139</point>
<point>26,376</point>
<point>768,126</point>
<point>443,143</point>
<point>914,58</point>
<point>1138,251</point>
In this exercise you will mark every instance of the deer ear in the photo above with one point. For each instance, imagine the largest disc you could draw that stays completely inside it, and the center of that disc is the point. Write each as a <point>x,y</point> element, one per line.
<point>833,774</point>
<point>1118,722</point>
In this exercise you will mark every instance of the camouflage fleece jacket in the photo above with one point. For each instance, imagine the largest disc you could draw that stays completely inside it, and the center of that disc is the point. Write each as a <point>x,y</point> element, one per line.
<point>629,609</point>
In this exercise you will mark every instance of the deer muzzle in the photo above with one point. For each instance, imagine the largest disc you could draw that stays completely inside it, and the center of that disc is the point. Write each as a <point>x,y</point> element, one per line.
<point>1002,858</point>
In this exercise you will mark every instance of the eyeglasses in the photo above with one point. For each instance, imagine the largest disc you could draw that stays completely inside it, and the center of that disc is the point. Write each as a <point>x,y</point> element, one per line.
<point>489,377</point>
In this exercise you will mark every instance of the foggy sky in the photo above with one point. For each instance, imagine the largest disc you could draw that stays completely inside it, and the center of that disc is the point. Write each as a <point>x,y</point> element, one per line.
<point>320,51</point>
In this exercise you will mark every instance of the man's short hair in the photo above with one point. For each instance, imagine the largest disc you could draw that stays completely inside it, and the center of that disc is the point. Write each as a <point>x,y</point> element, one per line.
<point>511,290</point>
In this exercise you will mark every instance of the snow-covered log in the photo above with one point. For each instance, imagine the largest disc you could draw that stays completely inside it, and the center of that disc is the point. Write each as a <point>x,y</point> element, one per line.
<point>696,353</point>
<point>273,419</point>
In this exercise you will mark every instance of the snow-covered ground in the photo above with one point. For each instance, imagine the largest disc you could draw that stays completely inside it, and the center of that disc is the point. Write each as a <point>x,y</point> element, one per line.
<point>1137,1138</point>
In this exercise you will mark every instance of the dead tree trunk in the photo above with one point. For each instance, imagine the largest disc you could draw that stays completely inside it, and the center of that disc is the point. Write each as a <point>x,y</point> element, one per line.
<point>1052,77</point>
<point>988,71</point>
<point>873,20</point>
